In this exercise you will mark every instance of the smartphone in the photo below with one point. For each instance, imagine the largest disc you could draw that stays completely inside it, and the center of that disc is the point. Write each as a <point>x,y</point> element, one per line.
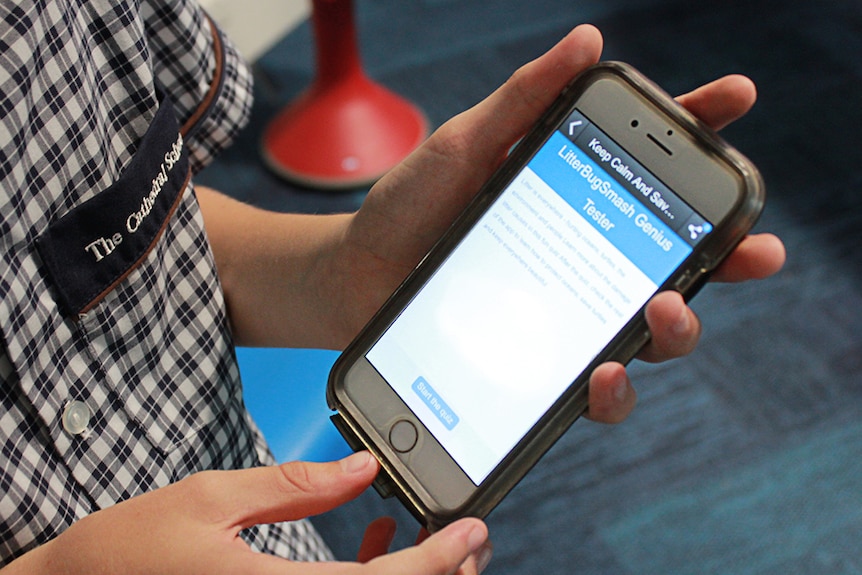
<point>480,360</point>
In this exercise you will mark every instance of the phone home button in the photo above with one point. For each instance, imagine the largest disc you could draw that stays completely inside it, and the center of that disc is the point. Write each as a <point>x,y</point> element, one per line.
<point>403,436</point>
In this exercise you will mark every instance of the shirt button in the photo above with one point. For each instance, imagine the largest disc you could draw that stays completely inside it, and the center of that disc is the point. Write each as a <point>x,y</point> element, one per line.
<point>76,417</point>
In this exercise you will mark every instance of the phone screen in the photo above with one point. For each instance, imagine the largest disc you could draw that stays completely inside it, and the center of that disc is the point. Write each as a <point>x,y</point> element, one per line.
<point>561,261</point>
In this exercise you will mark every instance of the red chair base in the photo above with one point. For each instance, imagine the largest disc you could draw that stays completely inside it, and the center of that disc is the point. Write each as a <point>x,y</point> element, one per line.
<point>343,135</point>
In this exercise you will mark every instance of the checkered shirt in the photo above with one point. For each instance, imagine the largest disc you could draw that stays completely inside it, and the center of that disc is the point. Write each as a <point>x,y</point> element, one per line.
<point>153,361</point>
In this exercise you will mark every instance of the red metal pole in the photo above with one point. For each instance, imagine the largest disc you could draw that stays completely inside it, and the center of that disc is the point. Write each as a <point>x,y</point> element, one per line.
<point>337,51</point>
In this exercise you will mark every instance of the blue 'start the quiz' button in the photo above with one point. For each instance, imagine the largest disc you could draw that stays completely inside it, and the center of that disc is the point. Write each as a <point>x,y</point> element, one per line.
<point>446,416</point>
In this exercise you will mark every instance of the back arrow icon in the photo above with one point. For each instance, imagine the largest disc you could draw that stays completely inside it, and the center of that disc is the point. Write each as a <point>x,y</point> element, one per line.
<point>573,125</point>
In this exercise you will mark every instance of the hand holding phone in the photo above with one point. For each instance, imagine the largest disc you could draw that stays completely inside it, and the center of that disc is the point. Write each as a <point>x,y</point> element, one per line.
<point>600,218</point>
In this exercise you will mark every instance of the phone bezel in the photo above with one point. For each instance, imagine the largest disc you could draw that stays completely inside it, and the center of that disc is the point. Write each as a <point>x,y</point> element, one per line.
<point>609,94</point>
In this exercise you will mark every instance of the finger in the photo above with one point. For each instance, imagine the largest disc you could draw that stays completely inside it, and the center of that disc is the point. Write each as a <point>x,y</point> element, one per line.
<point>612,397</point>
<point>291,491</point>
<point>378,537</point>
<point>477,561</point>
<point>514,107</point>
<point>675,329</point>
<point>440,554</point>
<point>756,257</point>
<point>480,137</point>
<point>463,153</point>
<point>722,101</point>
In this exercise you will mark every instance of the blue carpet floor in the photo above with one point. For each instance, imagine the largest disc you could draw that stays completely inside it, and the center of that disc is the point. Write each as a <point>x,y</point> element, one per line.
<point>745,457</point>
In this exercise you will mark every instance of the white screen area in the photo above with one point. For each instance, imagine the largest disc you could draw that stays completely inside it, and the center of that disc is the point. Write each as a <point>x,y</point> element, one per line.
<point>531,295</point>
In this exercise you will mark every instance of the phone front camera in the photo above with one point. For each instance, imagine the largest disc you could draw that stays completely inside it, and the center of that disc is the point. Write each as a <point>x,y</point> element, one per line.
<point>635,123</point>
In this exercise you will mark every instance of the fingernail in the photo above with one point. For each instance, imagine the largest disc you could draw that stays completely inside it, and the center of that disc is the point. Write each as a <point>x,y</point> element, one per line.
<point>356,462</point>
<point>682,323</point>
<point>483,556</point>
<point>621,387</point>
<point>476,538</point>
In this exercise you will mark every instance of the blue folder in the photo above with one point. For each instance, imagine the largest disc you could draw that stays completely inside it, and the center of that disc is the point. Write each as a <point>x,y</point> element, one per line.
<point>285,392</point>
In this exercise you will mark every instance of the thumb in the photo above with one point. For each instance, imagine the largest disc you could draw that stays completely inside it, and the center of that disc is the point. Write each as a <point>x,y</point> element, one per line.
<point>296,490</point>
<point>460,156</point>
<point>504,116</point>
<point>440,554</point>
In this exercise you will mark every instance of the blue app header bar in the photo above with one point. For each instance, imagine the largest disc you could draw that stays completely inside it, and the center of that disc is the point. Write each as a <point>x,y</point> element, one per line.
<point>633,177</point>
<point>622,217</point>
